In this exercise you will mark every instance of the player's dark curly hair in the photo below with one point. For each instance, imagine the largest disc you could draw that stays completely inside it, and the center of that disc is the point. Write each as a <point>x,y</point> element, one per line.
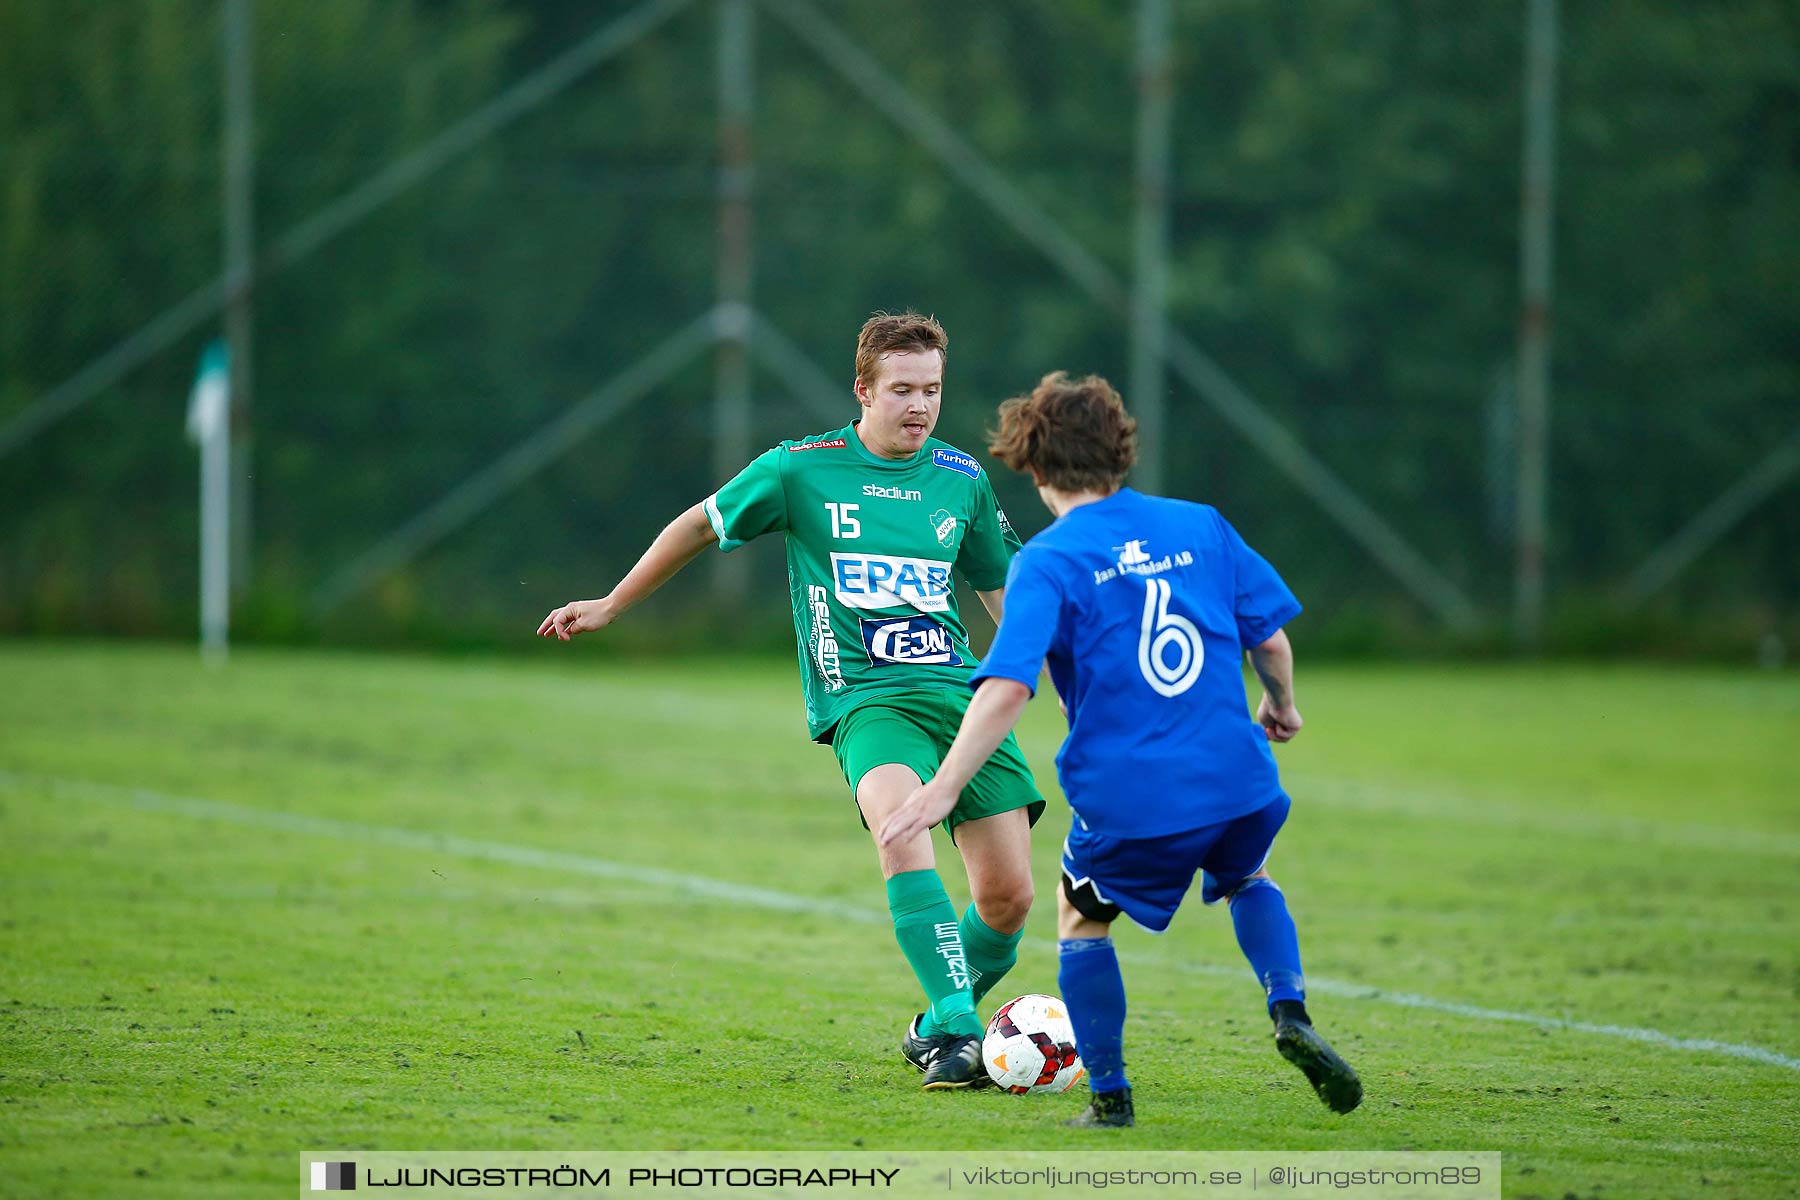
<point>1072,434</point>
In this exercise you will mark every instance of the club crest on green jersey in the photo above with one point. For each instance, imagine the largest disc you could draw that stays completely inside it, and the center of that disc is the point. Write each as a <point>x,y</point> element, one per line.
<point>944,525</point>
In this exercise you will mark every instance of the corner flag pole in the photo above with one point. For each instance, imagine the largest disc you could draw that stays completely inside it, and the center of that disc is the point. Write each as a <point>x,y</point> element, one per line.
<point>209,425</point>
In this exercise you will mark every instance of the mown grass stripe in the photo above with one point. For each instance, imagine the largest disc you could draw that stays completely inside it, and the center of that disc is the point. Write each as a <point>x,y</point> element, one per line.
<point>146,800</point>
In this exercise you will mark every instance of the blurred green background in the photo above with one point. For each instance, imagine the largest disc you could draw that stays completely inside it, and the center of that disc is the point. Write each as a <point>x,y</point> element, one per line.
<point>1344,210</point>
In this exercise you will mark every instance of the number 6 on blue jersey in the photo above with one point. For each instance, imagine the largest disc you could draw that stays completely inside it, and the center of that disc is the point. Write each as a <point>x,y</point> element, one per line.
<point>1161,628</point>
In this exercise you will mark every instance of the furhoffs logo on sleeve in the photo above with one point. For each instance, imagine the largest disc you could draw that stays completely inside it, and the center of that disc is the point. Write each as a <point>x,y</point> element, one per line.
<point>334,1177</point>
<point>956,460</point>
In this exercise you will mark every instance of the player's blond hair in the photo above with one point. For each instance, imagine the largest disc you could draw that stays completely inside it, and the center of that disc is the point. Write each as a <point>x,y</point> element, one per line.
<point>1072,434</point>
<point>884,333</point>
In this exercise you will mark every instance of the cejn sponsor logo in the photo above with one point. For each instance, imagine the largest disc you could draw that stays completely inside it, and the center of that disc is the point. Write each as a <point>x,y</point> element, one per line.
<point>891,493</point>
<point>919,641</point>
<point>833,444</point>
<point>824,642</point>
<point>877,581</point>
<point>956,460</point>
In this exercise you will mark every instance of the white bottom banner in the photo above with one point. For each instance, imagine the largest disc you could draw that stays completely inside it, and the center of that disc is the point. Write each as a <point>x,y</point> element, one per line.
<point>961,1175</point>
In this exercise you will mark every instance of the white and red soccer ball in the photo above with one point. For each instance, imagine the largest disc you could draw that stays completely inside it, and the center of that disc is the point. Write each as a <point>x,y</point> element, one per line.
<point>1030,1046</point>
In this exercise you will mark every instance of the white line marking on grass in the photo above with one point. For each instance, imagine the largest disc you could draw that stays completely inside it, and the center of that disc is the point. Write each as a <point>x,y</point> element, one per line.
<point>525,856</point>
<point>1654,1037</point>
<point>146,800</point>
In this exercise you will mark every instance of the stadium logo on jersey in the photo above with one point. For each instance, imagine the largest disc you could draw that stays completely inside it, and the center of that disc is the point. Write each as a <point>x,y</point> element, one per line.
<point>944,525</point>
<point>833,444</point>
<point>888,493</point>
<point>824,642</point>
<point>875,581</point>
<point>920,641</point>
<point>956,460</point>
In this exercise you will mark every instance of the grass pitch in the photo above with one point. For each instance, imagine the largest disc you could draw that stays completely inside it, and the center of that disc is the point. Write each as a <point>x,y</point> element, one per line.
<point>569,903</point>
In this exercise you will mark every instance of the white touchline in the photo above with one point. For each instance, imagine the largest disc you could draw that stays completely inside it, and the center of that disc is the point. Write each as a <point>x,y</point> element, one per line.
<point>1654,1037</point>
<point>460,847</point>
<point>146,800</point>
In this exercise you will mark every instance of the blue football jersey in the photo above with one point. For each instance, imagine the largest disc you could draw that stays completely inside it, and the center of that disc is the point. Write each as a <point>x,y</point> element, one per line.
<point>1143,607</point>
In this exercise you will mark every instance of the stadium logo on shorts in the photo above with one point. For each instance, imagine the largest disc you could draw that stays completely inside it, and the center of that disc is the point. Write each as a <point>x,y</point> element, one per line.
<point>956,460</point>
<point>919,641</point>
<point>334,1177</point>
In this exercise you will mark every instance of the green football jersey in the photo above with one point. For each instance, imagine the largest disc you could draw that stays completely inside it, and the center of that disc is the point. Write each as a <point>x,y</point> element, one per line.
<point>871,544</point>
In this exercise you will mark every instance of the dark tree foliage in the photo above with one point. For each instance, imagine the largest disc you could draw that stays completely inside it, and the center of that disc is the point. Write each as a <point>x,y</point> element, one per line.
<point>1345,215</point>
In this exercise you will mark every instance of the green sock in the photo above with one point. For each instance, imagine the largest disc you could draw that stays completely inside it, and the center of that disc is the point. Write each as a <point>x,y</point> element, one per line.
<point>926,928</point>
<point>991,955</point>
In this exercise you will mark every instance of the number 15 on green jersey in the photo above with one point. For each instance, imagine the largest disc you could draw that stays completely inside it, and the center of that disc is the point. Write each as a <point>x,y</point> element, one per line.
<point>872,547</point>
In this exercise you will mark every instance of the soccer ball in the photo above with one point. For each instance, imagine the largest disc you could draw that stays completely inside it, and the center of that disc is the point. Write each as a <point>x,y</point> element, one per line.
<point>1030,1046</point>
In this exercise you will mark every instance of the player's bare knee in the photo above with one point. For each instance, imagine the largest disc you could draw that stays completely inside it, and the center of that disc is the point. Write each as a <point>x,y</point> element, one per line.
<point>1073,926</point>
<point>1262,878</point>
<point>1072,923</point>
<point>1003,908</point>
<point>914,854</point>
<point>878,794</point>
<point>884,789</point>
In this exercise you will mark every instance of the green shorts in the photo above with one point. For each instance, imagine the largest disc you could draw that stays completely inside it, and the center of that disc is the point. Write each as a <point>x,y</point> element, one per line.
<point>915,729</point>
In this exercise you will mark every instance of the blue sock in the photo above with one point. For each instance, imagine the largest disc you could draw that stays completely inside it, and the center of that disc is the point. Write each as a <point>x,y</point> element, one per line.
<point>1266,935</point>
<point>1095,993</point>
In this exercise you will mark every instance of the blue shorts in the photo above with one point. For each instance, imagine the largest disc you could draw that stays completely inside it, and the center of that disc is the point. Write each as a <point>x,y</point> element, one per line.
<point>1146,878</point>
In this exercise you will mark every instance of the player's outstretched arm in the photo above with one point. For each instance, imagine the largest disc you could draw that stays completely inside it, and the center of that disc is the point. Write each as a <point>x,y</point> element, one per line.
<point>995,603</point>
<point>674,548</point>
<point>991,716</point>
<point>1273,661</point>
